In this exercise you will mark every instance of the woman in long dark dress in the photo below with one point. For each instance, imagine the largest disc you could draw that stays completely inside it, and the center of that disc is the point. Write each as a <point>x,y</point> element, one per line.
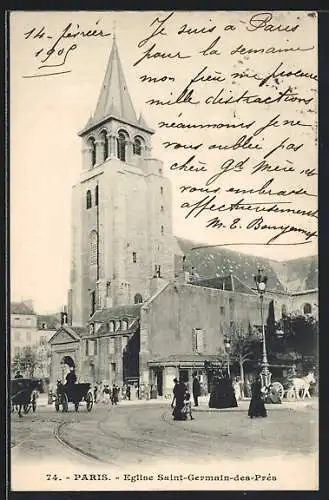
<point>257,406</point>
<point>179,394</point>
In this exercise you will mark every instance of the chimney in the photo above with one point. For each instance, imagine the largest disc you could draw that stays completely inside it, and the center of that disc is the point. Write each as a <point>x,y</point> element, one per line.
<point>64,316</point>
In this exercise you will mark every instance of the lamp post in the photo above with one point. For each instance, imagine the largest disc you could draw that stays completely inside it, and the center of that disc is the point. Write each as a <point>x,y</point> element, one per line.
<point>265,374</point>
<point>227,345</point>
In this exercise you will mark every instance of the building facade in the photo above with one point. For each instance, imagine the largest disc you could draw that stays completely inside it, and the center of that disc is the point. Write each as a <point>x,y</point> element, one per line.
<point>141,307</point>
<point>23,323</point>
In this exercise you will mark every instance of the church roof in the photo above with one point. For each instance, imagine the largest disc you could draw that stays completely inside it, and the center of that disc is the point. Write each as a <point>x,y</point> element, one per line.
<point>218,262</point>
<point>114,100</point>
<point>48,321</point>
<point>114,90</point>
<point>119,312</point>
<point>21,308</point>
<point>231,283</point>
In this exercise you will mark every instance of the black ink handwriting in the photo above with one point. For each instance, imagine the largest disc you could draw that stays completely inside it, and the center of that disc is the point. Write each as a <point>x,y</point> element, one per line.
<point>207,204</point>
<point>242,50</point>
<point>261,21</point>
<point>148,54</point>
<point>280,74</point>
<point>159,30</point>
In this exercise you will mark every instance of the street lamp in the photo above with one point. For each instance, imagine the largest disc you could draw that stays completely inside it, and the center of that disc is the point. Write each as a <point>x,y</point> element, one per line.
<point>227,345</point>
<point>265,374</point>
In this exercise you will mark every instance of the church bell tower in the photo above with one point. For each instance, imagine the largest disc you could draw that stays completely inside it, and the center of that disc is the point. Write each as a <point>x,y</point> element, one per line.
<point>121,206</point>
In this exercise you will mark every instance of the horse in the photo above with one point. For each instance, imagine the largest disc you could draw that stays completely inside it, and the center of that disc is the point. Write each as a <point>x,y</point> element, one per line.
<point>24,394</point>
<point>302,384</point>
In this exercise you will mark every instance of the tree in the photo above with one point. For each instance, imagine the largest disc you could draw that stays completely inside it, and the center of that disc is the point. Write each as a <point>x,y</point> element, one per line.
<point>244,349</point>
<point>294,337</point>
<point>25,361</point>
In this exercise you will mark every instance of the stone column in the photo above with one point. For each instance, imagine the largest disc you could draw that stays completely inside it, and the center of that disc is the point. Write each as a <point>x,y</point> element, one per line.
<point>113,145</point>
<point>119,361</point>
<point>86,157</point>
<point>169,373</point>
<point>129,150</point>
<point>99,143</point>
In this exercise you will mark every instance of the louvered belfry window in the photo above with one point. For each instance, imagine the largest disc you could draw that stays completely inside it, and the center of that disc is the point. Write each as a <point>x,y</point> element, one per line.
<point>121,142</point>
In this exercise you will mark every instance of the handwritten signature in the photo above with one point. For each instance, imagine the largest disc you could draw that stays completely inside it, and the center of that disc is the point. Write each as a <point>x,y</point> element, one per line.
<point>55,49</point>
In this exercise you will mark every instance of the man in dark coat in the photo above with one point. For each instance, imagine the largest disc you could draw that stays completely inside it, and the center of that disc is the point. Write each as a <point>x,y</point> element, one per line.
<point>196,389</point>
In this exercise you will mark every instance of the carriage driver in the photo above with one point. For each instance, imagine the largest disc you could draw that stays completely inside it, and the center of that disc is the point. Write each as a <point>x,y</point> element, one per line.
<point>71,377</point>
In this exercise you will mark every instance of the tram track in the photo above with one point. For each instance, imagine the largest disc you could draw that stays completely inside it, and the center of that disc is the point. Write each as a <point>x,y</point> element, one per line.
<point>70,446</point>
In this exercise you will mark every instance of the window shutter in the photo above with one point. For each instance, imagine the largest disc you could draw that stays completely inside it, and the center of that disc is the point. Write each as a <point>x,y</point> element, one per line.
<point>204,337</point>
<point>95,346</point>
<point>199,335</point>
<point>194,340</point>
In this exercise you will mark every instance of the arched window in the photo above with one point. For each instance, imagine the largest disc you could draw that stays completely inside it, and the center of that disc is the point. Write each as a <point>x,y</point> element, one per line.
<point>111,326</point>
<point>121,142</point>
<point>284,310</point>
<point>88,199</point>
<point>137,146</point>
<point>93,248</point>
<point>124,325</point>
<point>92,145</point>
<point>138,299</point>
<point>96,196</point>
<point>307,308</point>
<point>105,144</point>
<point>117,325</point>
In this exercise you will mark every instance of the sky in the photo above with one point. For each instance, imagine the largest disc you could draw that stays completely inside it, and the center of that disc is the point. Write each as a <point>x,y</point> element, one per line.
<point>46,114</point>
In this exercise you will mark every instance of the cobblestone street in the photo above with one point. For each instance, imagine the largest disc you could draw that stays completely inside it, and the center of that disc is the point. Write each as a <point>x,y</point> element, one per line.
<point>143,435</point>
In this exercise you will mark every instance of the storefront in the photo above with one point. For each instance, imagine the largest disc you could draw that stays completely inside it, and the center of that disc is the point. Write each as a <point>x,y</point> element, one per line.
<point>163,371</point>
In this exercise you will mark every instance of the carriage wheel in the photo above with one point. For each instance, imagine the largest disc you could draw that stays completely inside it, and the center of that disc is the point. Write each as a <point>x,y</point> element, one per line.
<point>26,408</point>
<point>279,388</point>
<point>89,401</point>
<point>76,406</point>
<point>65,403</point>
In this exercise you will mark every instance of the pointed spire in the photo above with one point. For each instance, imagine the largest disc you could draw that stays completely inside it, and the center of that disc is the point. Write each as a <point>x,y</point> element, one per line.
<point>114,90</point>
<point>142,123</point>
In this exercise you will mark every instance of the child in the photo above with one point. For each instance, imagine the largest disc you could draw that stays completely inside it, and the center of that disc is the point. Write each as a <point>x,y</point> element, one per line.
<point>187,408</point>
<point>106,394</point>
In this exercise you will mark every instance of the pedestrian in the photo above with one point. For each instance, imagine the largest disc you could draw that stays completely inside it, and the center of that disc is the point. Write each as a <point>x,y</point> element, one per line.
<point>95,393</point>
<point>128,392</point>
<point>106,394</point>
<point>179,391</point>
<point>257,406</point>
<point>237,389</point>
<point>196,389</point>
<point>272,396</point>
<point>114,398</point>
<point>187,409</point>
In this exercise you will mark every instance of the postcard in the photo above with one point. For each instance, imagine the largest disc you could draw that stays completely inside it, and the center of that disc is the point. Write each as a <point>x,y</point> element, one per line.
<point>164,273</point>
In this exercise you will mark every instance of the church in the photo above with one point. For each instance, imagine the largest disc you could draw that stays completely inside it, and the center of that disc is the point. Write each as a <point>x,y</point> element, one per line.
<point>145,306</point>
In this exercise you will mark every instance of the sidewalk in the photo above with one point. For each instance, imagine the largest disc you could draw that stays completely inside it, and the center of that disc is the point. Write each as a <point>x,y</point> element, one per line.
<point>244,405</point>
<point>203,404</point>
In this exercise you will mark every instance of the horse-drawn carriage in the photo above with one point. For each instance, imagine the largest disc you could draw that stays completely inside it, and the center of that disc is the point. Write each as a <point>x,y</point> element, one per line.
<point>288,385</point>
<point>75,394</point>
<point>24,393</point>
